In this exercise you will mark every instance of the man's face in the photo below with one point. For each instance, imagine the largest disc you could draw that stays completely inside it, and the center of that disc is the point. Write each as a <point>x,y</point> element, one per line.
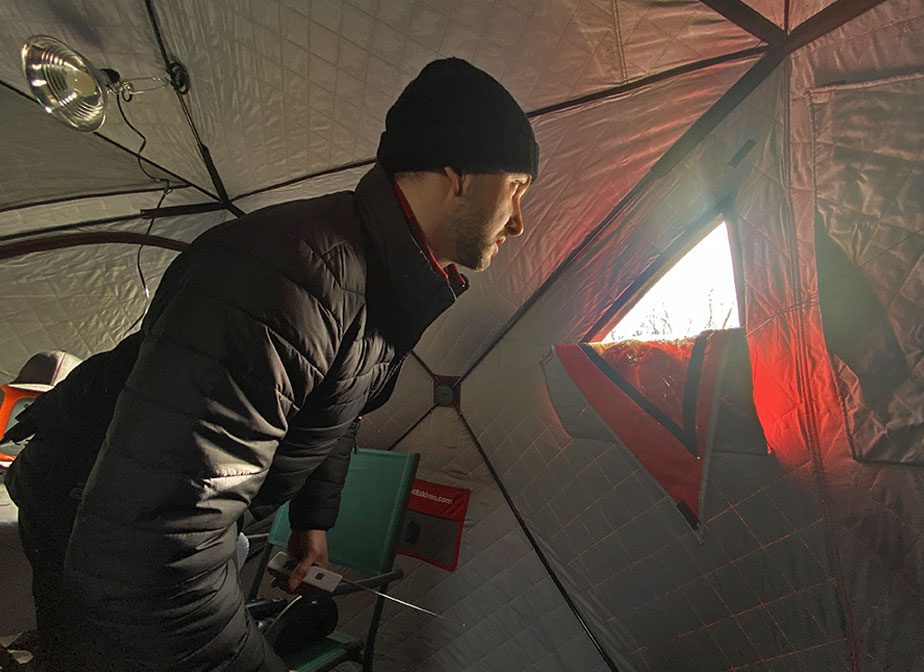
<point>488,212</point>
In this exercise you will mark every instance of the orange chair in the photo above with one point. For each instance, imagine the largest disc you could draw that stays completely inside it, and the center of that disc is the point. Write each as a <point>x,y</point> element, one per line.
<point>13,401</point>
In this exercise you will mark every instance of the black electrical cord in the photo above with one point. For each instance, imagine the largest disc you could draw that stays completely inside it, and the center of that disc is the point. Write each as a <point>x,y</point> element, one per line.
<point>144,143</point>
<point>167,188</point>
<point>144,283</point>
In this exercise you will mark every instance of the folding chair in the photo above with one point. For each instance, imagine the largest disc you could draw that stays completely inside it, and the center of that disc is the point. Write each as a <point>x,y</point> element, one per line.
<point>365,538</point>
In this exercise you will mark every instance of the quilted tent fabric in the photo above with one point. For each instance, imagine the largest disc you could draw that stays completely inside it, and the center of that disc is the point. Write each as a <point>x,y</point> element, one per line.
<point>670,403</point>
<point>73,319</point>
<point>23,175</point>
<point>95,303</point>
<point>641,393</point>
<point>797,123</point>
<point>117,211</point>
<point>327,71</point>
<point>884,521</point>
<point>872,210</point>
<point>110,35</point>
<point>514,616</point>
<point>637,565</point>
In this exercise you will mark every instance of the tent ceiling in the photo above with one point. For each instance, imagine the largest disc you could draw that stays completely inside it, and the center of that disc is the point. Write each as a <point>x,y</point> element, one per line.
<point>110,34</point>
<point>237,57</point>
<point>24,173</point>
<point>280,91</point>
<point>802,10</point>
<point>83,299</point>
<point>775,10</point>
<point>328,184</point>
<point>38,219</point>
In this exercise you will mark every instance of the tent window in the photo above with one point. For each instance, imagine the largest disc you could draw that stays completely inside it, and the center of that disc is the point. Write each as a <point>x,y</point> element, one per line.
<point>697,293</point>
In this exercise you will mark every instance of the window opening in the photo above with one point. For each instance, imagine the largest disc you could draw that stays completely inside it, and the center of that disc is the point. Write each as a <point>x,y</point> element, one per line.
<point>697,293</point>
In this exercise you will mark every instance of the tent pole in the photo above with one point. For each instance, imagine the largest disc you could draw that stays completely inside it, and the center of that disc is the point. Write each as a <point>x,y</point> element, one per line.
<point>747,19</point>
<point>95,238</point>
<point>538,551</point>
<point>180,93</point>
<point>69,227</point>
<point>180,210</point>
<point>305,178</point>
<point>104,194</point>
<point>830,18</point>
<point>423,364</point>
<point>401,438</point>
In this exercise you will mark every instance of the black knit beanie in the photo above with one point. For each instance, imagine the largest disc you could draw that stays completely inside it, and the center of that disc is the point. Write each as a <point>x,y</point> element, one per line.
<point>454,114</point>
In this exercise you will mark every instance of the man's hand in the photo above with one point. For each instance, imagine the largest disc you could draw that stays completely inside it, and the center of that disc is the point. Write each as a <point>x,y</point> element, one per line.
<point>309,547</point>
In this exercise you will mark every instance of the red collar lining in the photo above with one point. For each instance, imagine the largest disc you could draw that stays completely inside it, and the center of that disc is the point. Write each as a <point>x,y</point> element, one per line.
<point>450,274</point>
<point>418,234</point>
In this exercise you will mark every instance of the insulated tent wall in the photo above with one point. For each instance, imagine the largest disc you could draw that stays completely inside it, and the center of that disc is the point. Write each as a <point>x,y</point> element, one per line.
<point>799,123</point>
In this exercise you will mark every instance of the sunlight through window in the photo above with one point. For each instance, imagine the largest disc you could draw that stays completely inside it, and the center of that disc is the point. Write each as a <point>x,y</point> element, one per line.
<point>697,293</point>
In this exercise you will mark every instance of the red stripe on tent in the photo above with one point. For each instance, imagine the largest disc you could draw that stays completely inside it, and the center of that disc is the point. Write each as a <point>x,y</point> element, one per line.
<point>662,455</point>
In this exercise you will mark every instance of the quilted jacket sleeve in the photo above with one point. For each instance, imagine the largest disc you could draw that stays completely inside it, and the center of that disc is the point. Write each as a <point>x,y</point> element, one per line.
<point>231,346</point>
<point>317,504</point>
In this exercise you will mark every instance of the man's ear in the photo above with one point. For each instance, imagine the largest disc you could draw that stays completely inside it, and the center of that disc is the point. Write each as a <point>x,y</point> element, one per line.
<point>455,180</point>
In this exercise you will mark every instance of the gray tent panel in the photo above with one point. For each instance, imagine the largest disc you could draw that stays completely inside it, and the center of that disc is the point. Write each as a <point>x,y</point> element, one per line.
<point>82,165</point>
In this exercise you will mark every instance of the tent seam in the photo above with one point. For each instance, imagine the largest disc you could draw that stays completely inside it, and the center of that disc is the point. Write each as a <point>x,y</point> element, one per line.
<point>534,543</point>
<point>803,369</point>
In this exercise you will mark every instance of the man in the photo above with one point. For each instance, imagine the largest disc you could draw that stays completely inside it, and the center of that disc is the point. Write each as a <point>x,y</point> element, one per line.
<point>264,343</point>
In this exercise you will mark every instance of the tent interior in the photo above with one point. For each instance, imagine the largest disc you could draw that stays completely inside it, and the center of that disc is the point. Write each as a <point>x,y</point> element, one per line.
<point>647,498</point>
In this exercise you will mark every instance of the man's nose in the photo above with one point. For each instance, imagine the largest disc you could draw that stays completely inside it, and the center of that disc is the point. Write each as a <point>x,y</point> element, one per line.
<point>515,223</point>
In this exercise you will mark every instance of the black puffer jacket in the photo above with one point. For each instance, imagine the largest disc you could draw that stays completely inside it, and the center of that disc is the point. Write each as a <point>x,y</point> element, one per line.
<point>264,342</point>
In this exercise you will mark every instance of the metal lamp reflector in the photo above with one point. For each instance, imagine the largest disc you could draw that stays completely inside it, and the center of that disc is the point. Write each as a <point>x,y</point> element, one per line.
<point>65,83</point>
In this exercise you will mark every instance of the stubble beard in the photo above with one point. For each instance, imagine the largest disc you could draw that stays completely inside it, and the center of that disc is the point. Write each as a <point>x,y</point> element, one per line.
<point>473,242</point>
